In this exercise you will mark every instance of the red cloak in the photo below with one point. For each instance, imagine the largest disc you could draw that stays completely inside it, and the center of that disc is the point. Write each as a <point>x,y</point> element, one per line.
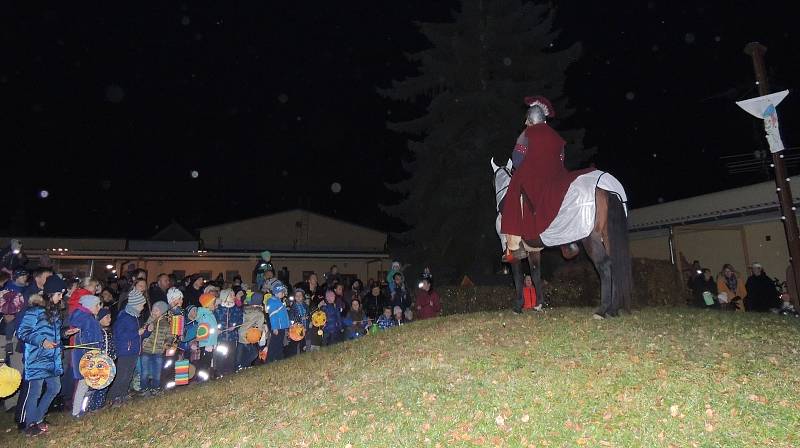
<point>542,180</point>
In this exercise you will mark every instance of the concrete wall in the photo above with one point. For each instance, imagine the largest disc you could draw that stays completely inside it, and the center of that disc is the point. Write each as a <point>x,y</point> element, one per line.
<point>772,254</point>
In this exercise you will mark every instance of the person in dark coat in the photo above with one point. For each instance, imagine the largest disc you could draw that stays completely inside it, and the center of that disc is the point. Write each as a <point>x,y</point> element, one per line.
<point>374,302</point>
<point>699,284</point>
<point>85,319</point>
<point>127,331</point>
<point>193,292</point>
<point>761,292</point>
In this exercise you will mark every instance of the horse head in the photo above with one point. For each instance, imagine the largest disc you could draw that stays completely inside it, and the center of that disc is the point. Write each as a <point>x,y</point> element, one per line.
<point>502,177</point>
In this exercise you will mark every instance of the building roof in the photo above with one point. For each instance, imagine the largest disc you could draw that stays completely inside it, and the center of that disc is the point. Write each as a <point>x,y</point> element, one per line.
<point>289,212</point>
<point>758,199</point>
<point>173,232</point>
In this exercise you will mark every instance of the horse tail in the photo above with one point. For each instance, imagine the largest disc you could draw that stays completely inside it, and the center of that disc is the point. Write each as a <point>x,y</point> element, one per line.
<point>622,274</point>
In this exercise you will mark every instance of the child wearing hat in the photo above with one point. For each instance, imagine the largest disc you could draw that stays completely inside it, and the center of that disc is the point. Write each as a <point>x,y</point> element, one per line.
<point>90,335</point>
<point>205,317</point>
<point>253,317</point>
<point>278,322</point>
<point>127,335</point>
<point>189,344</point>
<point>298,314</point>
<point>156,337</point>
<point>98,397</point>
<point>229,319</point>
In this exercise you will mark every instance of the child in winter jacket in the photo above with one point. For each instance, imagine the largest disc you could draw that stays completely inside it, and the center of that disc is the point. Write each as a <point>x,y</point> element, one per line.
<point>278,322</point>
<point>253,317</point>
<point>332,332</point>
<point>386,321</point>
<point>356,321</point>
<point>156,337</point>
<point>298,315</point>
<point>128,333</point>
<point>106,346</point>
<point>229,319</point>
<point>205,318</point>
<point>84,318</point>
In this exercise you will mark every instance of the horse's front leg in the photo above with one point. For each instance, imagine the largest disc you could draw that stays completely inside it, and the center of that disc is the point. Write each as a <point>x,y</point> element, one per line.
<point>516,273</point>
<point>535,261</point>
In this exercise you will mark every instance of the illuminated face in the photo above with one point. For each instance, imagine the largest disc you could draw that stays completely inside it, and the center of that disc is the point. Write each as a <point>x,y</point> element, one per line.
<point>528,281</point>
<point>97,369</point>
<point>355,305</point>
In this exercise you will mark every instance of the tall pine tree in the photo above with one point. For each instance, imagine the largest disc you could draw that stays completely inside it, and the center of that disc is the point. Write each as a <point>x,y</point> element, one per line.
<point>474,78</point>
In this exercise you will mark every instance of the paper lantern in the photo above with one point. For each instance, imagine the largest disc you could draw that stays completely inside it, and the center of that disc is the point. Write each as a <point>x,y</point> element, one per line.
<point>203,331</point>
<point>10,379</point>
<point>252,335</point>
<point>319,318</point>
<point>373,329</point>
<point>182,372</point>
<point>297,332</point>
<point>177,325</point>
<point>97,368</point>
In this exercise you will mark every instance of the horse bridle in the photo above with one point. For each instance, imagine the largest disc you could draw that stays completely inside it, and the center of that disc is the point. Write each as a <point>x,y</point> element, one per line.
<point>502,190</point>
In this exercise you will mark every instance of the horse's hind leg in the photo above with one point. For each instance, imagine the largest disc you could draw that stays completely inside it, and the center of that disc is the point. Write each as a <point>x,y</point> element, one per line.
<point>516,273</point>
<point>594,247</point>
<point>535,262</point>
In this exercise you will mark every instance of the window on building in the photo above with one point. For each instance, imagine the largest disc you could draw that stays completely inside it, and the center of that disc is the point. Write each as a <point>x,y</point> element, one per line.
<point>229,275</point>
<point>207,275</point>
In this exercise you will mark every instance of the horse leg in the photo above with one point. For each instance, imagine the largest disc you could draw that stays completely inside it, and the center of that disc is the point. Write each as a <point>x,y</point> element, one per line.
<point>535,261</point>
<point>594,247</point>
<point>516,273</point>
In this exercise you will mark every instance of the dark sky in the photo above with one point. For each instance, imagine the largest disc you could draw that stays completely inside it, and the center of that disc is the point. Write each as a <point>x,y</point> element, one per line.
<point>110,109</point>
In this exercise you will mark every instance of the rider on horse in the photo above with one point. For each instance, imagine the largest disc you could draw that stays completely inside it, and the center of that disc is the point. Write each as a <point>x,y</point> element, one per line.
<point>539,184</point>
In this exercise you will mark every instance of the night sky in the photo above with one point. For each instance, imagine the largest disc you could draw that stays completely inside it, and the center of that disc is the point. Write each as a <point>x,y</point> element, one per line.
<point>110,109</point>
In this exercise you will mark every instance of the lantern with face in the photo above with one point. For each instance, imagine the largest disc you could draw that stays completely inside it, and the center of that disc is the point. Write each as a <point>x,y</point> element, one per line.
<point>98,369</point>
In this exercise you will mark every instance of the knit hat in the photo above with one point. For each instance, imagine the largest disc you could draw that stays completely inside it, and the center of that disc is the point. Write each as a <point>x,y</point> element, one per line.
<point>103,313</point>
<point>207,299</point>
<point>256,298</point>
<point>18,273</point>
<point>174,294</point>
<point>189,310</point>
<point>329,295</point>
<point>89,301</point>
<point>135,297</point>
<point>54,284</point>
<point>161,306</point>
<point>278,287</point>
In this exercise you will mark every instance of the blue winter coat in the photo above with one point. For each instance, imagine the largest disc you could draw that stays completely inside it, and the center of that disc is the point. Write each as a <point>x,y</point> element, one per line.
<point>278,316</point>
<point>205,316</point>
<point>91,331</point>
<point>333,321</point>
<point>127,340</point>
<point>226,318</point>
<point>34,329</point>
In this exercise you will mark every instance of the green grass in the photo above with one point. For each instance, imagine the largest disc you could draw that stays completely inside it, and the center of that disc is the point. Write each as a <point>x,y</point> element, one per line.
<point>659,377</point>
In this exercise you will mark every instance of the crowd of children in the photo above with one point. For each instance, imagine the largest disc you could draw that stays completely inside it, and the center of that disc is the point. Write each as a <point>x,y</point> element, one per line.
<point>165,335</point>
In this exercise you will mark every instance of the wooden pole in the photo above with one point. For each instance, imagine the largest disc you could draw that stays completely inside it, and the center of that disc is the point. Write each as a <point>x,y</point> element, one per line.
<point>756,52</point>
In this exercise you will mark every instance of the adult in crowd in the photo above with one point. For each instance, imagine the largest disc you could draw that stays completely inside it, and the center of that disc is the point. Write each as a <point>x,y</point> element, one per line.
<point>762,295</point>
<point>428,303</point>
<point>704,289</point>
<point>374,302</point>
<point>109,301</point>
<point>400,296</point>
<point>314,292</point>
<point>158,293</point>
<point>12,306</point>
<point>39,275</point>
<point>356,291</point>
<point>731,289</point>
<point>333,277</point>
<point>195,289</point>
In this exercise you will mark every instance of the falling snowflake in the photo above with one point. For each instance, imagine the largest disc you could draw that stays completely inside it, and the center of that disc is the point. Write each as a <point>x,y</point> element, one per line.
<point>506,61</point>
<point>114,94</point>
<point>689,38</point>
<point>717,38</point>
<point>660,200</point>
<point>194,174</point>
<point>44,194</point>
<point>185,20</point>
<point>630,96</point>
<point>336,187</point>
<point>42,223</point>
<point>655,155</point>
<point>299,118</point>
<point>283,98</point>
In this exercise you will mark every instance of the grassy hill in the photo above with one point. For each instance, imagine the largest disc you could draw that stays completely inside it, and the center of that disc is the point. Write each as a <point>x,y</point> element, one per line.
<point>661,377</point>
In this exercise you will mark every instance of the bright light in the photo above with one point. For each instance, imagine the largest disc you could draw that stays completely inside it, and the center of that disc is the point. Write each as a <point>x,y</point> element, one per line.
<point>113,271</point>
<point>203,375</point>
<point>420,285</point>
<point>263,264</point>
<point>171,352</point>
<point>84,404</point>
<point>109,266</point>
<point>222,350</point>
<point>168,363</point>
<point>212,331</point>
<point>16,251</point>
<point>169,385</point>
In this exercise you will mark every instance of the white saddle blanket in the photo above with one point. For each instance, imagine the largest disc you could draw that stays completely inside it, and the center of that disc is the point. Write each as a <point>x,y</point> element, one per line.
<point>575,219</point>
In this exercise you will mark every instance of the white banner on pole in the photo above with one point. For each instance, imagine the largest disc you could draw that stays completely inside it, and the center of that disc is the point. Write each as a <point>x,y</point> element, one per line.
<point>764,107</point>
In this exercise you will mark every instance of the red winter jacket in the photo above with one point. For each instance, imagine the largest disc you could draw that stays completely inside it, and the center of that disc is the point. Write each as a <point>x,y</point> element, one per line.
<point>428,304</point>
<point>74,299</point>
